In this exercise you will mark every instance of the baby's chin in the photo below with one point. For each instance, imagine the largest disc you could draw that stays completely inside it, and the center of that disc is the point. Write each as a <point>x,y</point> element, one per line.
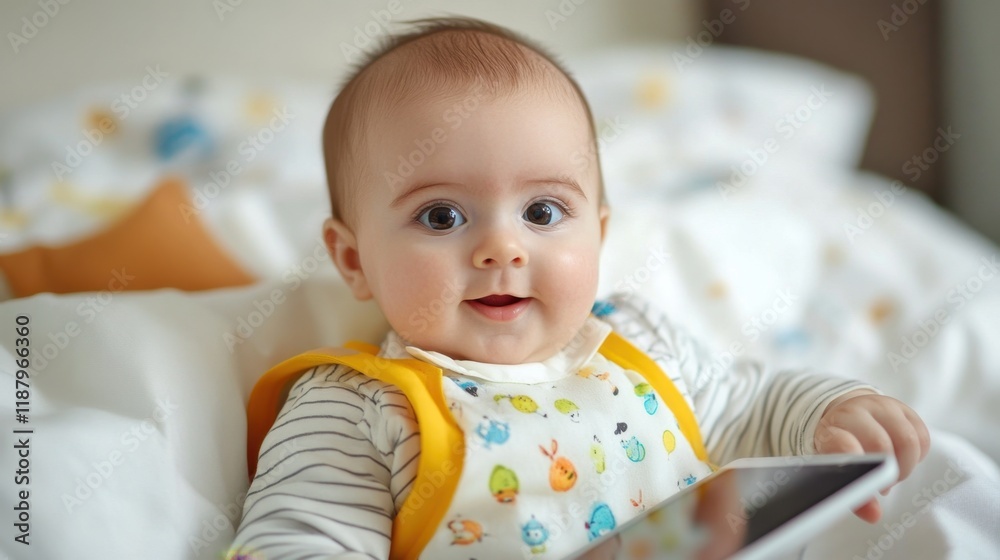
<point>498,349</point>
<point>533,337</point>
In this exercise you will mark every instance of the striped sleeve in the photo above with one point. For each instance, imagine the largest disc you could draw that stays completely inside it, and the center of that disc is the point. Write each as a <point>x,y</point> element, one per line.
<point>332,471</point>
<point>744,409</point>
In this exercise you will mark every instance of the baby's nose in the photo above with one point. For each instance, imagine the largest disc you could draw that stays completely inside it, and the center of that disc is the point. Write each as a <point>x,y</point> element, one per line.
<point>499,249</point>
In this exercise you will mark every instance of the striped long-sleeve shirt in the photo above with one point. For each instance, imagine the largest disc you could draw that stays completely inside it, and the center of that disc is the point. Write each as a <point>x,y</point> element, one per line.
<point>342,454</point>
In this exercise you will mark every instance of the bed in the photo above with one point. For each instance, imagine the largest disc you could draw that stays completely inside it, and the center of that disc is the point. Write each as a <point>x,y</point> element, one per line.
<point>736,205</point>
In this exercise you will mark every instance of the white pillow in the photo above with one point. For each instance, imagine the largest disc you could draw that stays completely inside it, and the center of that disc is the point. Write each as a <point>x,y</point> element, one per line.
<point>137,406</point>
<point>670,121</point>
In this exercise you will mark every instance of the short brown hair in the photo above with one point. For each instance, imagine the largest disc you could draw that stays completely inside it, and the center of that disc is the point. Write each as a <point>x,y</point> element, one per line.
<point>463,51</point>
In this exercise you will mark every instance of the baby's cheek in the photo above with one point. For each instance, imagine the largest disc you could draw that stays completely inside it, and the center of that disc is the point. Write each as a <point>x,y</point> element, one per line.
<point>572,279</point>
<point>415,294</point>
<point>576,270</point>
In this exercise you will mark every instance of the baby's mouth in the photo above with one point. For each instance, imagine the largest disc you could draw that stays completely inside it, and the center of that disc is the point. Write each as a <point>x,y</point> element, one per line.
<point>500,307</point>
<point>499,300</point>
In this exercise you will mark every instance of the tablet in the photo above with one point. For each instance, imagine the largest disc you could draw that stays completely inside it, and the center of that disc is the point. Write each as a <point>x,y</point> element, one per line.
<point>750,509</point>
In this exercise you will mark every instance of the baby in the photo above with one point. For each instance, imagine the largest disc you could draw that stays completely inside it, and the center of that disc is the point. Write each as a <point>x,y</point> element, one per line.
<point>506,414</point>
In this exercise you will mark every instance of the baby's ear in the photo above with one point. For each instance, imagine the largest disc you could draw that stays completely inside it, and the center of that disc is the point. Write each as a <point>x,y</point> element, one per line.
<point>343,249</point>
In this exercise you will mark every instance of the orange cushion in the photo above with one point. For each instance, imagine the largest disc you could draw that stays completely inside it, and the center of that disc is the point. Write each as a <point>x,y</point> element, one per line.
<point>157,245</point>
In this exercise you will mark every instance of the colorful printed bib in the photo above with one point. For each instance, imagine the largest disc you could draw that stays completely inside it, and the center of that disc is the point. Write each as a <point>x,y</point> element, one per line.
<point>513,470</point>
<point>551,466</point>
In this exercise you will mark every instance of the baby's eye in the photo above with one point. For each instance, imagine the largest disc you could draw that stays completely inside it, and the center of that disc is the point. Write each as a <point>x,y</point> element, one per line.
<point>441,218</point>
<point>543,213</point>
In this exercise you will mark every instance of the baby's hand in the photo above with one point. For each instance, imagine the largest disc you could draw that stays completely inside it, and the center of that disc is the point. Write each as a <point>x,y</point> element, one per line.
<point>864,422</point>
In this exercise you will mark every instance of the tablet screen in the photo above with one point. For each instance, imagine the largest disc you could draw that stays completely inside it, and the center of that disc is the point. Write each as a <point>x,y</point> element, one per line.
<point>727,511</point>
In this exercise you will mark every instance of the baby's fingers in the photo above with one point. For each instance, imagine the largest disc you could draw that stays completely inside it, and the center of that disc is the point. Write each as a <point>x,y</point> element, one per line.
<point>910,439</point>
<point>873,437</point>
<point>851,429</point>
<point>923,434</point>
<point>870,512</point>
<point>856,432</point>
<point>835,439</point>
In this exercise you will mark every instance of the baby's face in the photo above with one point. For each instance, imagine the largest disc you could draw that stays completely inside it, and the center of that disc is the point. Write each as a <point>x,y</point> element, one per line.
<point>480,232</point>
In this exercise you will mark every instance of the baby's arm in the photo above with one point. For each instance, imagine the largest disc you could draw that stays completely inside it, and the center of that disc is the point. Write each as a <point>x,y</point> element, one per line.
<point>322,486</point>
<point>744,410</point>
<point>749,410</point>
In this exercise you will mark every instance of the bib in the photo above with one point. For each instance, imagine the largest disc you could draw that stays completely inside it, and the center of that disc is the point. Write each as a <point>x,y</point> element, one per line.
<point>512,469</point>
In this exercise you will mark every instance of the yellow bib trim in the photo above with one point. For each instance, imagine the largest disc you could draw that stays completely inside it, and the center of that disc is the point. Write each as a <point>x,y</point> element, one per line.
<point>442,443</point>
<point>623,353</point>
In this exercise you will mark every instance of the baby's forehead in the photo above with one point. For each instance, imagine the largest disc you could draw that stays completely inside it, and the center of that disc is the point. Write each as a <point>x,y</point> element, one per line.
<point>454,63</point>
<point>468,51</point>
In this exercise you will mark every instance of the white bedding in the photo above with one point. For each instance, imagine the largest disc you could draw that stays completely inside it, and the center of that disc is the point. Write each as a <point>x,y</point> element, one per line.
<point>138,448</point>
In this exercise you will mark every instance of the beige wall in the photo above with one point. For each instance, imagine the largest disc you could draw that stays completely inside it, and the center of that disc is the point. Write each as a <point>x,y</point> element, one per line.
<point>89,42</point>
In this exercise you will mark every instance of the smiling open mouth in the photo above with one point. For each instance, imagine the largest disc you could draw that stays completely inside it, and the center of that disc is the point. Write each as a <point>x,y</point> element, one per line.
<point>499,307</point>
<point>499,300</point>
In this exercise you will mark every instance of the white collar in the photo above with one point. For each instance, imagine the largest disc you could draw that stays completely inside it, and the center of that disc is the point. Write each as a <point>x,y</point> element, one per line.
<point>565,362</point>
